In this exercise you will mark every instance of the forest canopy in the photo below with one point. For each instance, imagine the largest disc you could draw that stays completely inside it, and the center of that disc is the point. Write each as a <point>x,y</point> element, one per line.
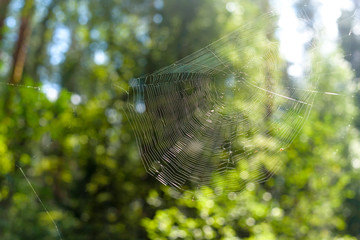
<point>132,120</point>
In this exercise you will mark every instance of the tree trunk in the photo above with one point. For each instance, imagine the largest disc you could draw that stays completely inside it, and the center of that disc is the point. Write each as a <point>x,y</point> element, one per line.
<point>19,55</point>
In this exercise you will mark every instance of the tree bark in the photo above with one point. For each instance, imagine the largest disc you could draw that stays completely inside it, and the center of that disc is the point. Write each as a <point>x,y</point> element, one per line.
<point>19,55</point>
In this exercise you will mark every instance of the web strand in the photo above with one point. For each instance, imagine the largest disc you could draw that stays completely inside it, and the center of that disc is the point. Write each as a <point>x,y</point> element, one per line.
<point>204,123</point>
<point>41,202</point>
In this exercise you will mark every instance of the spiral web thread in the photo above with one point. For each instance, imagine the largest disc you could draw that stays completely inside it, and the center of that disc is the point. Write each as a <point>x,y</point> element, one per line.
<point>203,123</point>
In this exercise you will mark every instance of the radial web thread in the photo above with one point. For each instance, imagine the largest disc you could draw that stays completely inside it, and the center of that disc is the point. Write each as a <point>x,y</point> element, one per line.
<point>203,123</point>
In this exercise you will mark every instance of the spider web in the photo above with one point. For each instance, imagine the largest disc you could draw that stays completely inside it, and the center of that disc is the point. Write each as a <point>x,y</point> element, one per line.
<point>204,122</point>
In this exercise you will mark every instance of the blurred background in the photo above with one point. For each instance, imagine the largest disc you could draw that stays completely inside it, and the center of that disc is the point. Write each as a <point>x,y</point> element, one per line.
<point>64,66</point>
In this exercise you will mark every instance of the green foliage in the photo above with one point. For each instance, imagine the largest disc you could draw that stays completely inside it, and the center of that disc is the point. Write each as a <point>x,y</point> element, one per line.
<point>303,201</point>
<point>82,158</point>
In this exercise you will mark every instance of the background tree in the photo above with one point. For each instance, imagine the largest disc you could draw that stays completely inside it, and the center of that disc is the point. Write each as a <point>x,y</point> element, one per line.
<point>75,145</point>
